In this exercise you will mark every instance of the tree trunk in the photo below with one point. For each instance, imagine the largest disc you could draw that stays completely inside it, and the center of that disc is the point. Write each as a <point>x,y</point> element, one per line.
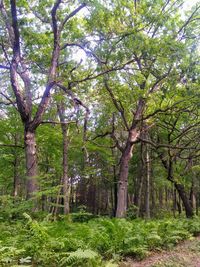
<point>185,200</point>
<point>134,133</point>
<point>160,197</point>
<point>16,163</point>
<point>140,180</point>
<point>153,197</point>
<point>174,202</point>
<point>65,178</point>
<point>192,195</point>
<point>31,163</point>
<point>115,190</point>
<point>123,174</point>
<point>123,182</point>
<point>148,175</point>
<point>16,176</point>
<point>65,170</point>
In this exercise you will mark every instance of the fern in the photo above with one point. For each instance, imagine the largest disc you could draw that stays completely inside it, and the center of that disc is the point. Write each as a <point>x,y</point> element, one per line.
<point>65,243</point>
<point>79,256</point>
<point>9,254</point>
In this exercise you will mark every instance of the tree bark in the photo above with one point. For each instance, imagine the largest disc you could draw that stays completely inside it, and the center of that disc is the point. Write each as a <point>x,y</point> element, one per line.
<point>65,178</point>
<point>31,163</point>
<point>160,197</point>
<point>174,202</point>
<point>193,195</point>
<point>16,176</point>
<point>188,208</point>
<point>16,163</point>
<point>122,185</point>
<point>123,177</point>
<point>140,181</point>
<point>134,133</point>
<point>148,175</point>
<point>65,170</point>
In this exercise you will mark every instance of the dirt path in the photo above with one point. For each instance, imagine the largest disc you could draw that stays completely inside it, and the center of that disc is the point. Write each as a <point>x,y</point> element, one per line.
<point>186,254</point>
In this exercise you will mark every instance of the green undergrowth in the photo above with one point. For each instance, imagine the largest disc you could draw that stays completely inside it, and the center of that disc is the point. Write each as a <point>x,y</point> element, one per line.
<point>100,242</point>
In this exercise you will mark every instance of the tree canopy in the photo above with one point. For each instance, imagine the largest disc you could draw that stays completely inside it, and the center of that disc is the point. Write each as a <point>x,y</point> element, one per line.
<point>99,105</point>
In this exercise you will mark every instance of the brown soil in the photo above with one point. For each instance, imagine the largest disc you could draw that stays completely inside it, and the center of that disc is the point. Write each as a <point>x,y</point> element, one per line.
<point>186,254</point>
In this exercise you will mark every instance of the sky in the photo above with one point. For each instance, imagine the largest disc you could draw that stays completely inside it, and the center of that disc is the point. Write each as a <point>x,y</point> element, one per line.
<point>189,3</point>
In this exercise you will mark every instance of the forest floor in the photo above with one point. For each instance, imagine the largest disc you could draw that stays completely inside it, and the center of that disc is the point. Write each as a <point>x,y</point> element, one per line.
<point>186,254</point>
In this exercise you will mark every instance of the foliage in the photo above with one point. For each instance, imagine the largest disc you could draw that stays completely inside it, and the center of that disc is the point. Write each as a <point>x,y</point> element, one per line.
<point>120,71</point>
<point>132,212</point>
<point>93,243</point>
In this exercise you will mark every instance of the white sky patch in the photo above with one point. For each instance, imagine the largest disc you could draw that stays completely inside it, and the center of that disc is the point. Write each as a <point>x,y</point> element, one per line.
<point>189,3</point>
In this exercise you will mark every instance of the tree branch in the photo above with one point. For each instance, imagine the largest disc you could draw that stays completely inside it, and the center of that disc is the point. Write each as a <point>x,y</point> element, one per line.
<point>72,14</point>
<point>118,106</point>
<point>57,122</point>
<point>4,67</point>
<point>11,145</point>
<point>163,145</point>
<point>188,20</point>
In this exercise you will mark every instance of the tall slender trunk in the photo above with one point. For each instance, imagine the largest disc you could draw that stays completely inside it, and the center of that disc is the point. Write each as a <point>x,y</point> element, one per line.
<point>140,181</point>
<point>16,182</point>
<point>160,197</point>
<point>174,202</point>
<point>115,190</point>
<point>65,178</point>
<point>193,195</point>
<point>65,170</point>
<point>31,163</point>
<point>16,163</point>
<point>148,175</point>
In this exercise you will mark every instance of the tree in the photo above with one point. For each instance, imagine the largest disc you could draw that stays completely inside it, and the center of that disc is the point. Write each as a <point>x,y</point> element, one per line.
<point>20,77</point>
<point>150,50</point>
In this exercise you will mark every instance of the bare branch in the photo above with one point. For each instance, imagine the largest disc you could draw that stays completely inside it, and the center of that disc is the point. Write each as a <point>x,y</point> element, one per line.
<point>72,14</point>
